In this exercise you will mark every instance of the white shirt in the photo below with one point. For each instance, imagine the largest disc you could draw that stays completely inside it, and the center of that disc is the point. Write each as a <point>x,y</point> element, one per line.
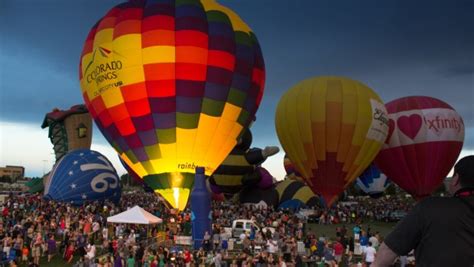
<point>105,233</point>
<point>374,241</point>
<point>95,227</point>
<point>90,251</point>
<point>272,246</point>
<point>370,254</point>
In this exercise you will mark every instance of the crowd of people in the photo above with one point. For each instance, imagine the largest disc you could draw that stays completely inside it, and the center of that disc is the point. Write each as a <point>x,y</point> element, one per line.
<point>384,209</point>
<point>32,227</point>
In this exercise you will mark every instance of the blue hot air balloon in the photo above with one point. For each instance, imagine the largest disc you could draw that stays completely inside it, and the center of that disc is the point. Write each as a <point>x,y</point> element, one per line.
<point>372,181</point>
<point>83,175</point>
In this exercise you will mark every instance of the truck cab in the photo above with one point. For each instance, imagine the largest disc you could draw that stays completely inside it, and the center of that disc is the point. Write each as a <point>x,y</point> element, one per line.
<point>243,226</point>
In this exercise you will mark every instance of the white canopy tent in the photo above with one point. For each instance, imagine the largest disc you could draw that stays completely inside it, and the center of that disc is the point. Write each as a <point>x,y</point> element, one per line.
<point>135,215</point>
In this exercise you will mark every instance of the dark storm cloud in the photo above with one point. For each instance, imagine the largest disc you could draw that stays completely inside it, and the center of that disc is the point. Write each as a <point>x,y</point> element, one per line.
<point>461,70</point>
<point>397,47</point>
<point>41,41</point>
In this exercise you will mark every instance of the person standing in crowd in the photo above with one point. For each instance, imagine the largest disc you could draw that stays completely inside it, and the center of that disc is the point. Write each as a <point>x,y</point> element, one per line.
<point>369,253</point>
<point>441,230</point>
<point>216,238</point>
<point>375,240</point>
<point>7,241</point>
<point>90,252</point>
<point>139,255</point>
<point>364,240</point>
<point>338,250</point>
<point>18,244</point>
<point>69,252</point>
<point>36,248</point>
<point>24,254</point>
<point>281,262</point>
<point>51,247</point>
<point>131,261</point>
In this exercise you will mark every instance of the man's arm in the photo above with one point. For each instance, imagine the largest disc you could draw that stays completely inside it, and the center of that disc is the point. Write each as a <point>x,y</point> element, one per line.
<point>385,257</point>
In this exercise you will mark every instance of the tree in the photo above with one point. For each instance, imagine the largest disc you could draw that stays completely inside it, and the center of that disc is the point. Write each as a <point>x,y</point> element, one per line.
<point>391,189</point>
<point>125,179</point>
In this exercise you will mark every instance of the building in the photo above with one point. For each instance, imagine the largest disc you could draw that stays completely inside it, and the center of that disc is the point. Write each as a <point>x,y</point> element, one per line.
<point>14,172</point>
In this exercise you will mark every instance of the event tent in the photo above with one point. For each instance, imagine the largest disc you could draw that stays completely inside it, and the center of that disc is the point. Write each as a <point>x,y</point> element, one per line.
<point>135,215</point>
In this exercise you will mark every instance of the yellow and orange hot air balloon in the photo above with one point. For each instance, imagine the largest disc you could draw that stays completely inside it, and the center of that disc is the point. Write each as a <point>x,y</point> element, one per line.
<point>171,85</point>
<point>331,128</point>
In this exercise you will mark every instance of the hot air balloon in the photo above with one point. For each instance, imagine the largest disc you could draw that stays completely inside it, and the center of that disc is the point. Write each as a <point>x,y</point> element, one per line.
<point>372,181</point>
<point>171,85</point>
<point>83,175</point>
<point>331,128</point>
<point>295,194</point>
<point>254,196</point>
<point>69,129</point>
<point>240,167</point>
<point>425,138</point>
<point>291,172</point>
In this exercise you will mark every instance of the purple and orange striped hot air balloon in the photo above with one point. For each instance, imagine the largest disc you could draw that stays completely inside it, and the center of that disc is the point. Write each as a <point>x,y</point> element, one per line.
<point>171,85</point>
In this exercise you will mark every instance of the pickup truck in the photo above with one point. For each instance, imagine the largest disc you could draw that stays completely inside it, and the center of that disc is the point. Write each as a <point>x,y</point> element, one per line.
<point>242,225</point>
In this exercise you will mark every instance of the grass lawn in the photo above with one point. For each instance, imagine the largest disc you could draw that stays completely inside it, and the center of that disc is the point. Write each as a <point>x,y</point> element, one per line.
<point>329,230</point>
<point>57,260</point>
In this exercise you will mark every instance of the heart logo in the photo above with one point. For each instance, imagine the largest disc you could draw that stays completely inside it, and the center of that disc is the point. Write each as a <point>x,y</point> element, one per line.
<point>410,125</point>
<point>391,128</point>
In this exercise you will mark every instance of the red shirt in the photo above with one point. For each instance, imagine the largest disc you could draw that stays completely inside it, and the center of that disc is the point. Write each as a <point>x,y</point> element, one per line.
<point>187,257</point>
<point>5,212</point>
<point>338,249</point>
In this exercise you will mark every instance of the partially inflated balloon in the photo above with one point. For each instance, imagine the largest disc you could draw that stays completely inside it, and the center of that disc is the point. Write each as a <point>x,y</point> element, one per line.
<point>372,181</point>
<point>291,172</point>
<point>425,138</point>
<point>256,196</point>
<point>171,85</point>
<point>331,128</point>
<point>295,194</point>
<point>83,175</point>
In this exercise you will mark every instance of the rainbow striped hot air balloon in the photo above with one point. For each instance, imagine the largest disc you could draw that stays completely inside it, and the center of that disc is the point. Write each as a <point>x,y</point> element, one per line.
<point>171,85</point>
<point>331,128</point>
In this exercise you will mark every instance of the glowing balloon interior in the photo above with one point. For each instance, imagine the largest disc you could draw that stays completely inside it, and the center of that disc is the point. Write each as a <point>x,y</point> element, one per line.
<point>171,85</point>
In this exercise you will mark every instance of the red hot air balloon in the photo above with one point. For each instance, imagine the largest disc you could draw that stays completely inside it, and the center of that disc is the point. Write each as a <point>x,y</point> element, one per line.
<point>424,140</point>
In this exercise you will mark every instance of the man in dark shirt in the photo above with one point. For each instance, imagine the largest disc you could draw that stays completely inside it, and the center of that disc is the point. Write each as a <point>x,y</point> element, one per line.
<point>435,222</point>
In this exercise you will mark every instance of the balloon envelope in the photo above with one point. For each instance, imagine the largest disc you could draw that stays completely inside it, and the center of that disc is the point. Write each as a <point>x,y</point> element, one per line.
<point>425,138</point>
<point>372,181</point>
<point>231,174</point>
<point>171,85</point>
<point>295,194</point>
<point>253,195</point>
<point>291,172</point>
<point>331,128</point>
<point>83,175</point>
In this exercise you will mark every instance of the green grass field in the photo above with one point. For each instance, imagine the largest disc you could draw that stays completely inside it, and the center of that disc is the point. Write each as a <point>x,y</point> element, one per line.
<point>330,230</point>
